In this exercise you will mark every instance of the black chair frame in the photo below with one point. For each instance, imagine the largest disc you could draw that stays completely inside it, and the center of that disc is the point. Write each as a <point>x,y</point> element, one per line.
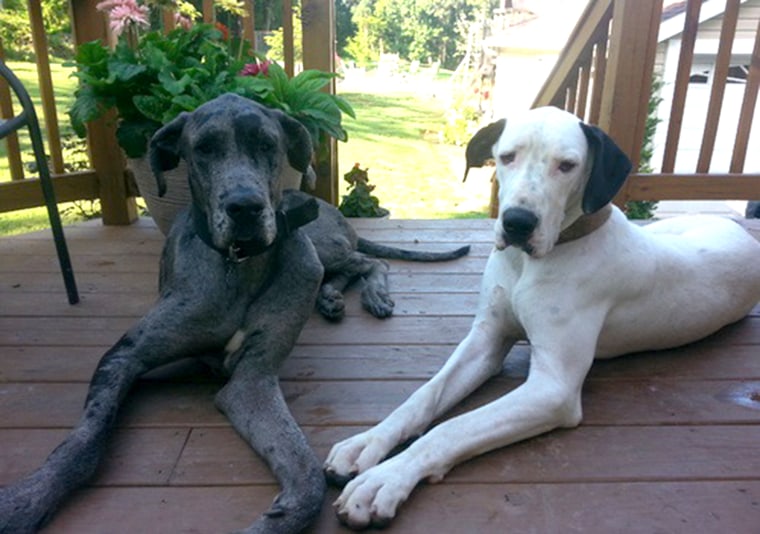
<point>28,117</point>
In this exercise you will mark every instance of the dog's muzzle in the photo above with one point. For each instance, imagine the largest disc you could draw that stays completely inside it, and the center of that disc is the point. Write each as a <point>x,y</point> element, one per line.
<point>245,211</point>
<point>518,225</point>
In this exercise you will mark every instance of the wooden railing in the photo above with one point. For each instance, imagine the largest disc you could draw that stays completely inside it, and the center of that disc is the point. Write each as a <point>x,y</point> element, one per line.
<point>107,179</point>
<point>605,76</point>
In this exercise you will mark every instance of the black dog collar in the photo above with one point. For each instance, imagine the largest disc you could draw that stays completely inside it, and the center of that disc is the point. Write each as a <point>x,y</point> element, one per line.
<point>288,220</point>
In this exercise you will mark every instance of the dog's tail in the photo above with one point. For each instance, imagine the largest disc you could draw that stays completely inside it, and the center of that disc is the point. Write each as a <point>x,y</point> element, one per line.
<point>392,253</point>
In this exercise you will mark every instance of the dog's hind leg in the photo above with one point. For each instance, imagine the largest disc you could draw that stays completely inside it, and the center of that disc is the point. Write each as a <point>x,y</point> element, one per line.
<point>376,298</point>
<point>28,504</point>
<point>330,302</point>
<point>252,399</point>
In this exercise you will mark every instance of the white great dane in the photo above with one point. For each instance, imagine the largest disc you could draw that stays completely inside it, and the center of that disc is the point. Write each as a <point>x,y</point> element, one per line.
<point>574,277</point>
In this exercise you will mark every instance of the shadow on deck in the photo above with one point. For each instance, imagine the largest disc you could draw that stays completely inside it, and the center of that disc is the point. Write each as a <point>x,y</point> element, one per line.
<point>669,441</point>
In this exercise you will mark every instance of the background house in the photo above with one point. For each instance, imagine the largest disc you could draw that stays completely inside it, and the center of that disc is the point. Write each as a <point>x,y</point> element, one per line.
<point>702,74</point>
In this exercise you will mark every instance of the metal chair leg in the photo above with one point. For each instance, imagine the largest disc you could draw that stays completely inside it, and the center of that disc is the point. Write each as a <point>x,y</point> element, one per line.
<point>28,117</point>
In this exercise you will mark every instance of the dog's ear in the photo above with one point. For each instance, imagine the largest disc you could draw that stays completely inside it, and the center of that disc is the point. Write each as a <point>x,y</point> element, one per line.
<point>163,150</point>
<point>480,148</point>
<point>298,145</point>
<point>609,169</point>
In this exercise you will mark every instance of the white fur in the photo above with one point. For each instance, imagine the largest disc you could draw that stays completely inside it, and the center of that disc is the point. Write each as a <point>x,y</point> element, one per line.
<point>620,289</point>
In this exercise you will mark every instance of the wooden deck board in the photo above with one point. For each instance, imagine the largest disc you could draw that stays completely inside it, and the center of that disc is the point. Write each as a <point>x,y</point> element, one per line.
<point>668,443</point>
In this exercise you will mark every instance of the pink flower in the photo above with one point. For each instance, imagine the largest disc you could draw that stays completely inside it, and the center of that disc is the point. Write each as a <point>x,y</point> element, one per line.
<point>123,14</point>
<point>182,21</point>
<point>254,69</point>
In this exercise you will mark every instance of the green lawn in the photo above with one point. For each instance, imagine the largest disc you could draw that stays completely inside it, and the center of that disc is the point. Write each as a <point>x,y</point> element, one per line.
<point>395,135</point>
<point>36,218</point>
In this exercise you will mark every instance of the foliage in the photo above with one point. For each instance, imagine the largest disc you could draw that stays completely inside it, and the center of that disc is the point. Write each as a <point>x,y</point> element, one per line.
<point>360,202</point>
<point>424,30</point>
<point>150,78</point>
<point>344,26</point>
<point>275,40</point>
<point>462,121</point>
<point>16,32</point>
<point>644,209</point>
<point>396,137</point>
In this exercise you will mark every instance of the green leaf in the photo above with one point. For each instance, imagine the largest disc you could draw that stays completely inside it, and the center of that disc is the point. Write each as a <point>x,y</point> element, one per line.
<point>279,80</point>
<point>151,106</point>
<point>133,136</point>
<point>91,53</point>
<point>172,85</point>
<point>125,72</point>
<point>344,106</point>
<point>186,103</point>
<point>85,108</point>
<point>310,80</point>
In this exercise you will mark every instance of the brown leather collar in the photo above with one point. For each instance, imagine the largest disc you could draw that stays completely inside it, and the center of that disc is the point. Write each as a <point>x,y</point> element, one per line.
<point>584,225</point>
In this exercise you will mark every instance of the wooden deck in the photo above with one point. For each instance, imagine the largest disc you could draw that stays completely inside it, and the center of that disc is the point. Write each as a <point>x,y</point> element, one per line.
<point>670,441</point>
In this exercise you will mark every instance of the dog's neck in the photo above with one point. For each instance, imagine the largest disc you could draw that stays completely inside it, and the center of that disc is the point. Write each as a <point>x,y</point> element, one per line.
<point>584,225</point>
<point>288,220</point>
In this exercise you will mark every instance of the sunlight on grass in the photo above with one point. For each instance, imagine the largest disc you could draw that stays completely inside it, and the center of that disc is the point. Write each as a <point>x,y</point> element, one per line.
<point>396,135</point>
<point>28,220</point>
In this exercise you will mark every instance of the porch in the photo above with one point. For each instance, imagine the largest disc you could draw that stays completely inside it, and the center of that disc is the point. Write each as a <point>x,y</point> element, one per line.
<point>668,442</point>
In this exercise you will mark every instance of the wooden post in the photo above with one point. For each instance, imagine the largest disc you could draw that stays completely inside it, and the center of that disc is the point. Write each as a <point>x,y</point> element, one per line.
<point>39,40</point>
<point>288,46</point>
<point>249,24</point>
<point>118,207</point>
<point>209,16</point>
<point>318,20</point>
<point>15,165</point>
<point>628,82</point>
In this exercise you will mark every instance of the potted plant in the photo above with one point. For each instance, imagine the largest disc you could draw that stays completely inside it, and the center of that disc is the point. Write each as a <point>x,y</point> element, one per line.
<point>151,76</point>
<point>360,202</point>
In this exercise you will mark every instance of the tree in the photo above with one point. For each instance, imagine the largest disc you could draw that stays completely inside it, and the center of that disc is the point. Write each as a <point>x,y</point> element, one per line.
<point>16,33</point>
<point>425,30</point>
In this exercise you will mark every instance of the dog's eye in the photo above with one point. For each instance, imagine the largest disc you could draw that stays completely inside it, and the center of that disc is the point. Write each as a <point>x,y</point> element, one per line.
<point>206,147</point>
<point>566,166</point>
<point>507,158</point>
<point>267,145</point>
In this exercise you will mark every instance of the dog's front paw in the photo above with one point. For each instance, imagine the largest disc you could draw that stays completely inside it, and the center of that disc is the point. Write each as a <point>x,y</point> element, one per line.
<point>353,456</point>
<point>330,303</point>
<point>373,497</point>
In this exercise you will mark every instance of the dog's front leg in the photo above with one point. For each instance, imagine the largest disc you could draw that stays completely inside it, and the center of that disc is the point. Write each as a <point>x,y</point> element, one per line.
<point>253,401</point>
<point>550,398</point>
<point>478,357</point>
<point>156,339</point>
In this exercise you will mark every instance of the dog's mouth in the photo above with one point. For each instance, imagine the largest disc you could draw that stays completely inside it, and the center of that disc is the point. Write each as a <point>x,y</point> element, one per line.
<point>240,250</point>
<point>503,241</point>
<point>240,236</point>
<point>251,237</point>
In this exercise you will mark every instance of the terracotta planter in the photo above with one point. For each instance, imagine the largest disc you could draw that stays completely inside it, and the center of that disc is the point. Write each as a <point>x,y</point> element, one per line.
<point>164,209</point>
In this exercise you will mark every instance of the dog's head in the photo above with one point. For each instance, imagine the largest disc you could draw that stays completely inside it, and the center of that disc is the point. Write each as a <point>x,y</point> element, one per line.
<point>552,169</point>
<point>235,150</point>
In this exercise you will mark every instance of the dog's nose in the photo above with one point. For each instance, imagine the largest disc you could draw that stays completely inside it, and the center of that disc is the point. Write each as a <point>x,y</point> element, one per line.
<point>242,208</point>
<point>518,224</point>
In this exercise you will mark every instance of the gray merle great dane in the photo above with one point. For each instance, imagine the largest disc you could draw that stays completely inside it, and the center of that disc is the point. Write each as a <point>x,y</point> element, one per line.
<point>240,273</point>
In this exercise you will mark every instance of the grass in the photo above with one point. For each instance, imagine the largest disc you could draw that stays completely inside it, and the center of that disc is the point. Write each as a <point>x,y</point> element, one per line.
<point>396,134</point>
<point>28,220</point>
<point>416,176</point>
